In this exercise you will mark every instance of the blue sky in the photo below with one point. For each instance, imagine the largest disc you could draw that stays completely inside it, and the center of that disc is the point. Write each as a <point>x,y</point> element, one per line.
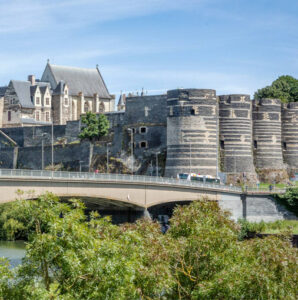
<point>233,46</point>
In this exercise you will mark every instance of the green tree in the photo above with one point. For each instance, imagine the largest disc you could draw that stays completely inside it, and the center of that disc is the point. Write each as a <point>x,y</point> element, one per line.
<point>290,199</point>
<point>93,129</point>
<point>284,88</point>
<point>200,257</point>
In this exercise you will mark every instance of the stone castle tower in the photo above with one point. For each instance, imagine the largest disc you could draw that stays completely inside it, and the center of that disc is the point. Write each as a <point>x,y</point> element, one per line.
<point>235,134</point>
<point>259,136</point>
<point>290,134</point>
<point>191,132</point>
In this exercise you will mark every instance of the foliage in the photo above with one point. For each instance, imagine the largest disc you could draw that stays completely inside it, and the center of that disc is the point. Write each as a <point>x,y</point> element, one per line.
<point>284,88</point>
<point>279,226</point>
<point>290,199</point>
<point>248,228</point>
<point>94,127</point>
<point>200,257</point>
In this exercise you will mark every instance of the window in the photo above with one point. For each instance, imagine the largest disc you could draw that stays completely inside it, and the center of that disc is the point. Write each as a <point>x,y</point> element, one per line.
<point>284,145</point>
<point>143,144</point>
<point>255,144</point>
<point>192,112</point>
<point>47,116</point>
<point>47,101</point>
<point>143,129</point>
<point>9,115</point>
<point>37,115</point>
<point>37,100</point>
<point>222,144</point>
<point>66,101</point>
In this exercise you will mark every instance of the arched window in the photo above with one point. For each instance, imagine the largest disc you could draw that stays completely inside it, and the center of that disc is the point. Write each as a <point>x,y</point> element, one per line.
<point>101,107</point>
<point>86,106</point>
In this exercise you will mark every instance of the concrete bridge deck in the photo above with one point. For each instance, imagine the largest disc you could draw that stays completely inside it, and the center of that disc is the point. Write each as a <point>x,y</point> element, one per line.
<point>115,191</point>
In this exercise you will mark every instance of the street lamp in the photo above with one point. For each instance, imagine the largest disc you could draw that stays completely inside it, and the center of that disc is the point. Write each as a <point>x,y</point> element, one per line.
<point>42,150</point>
<point>156,153</point>
<point>108,144</point>
<point>52,115</point>
<point>80,162</point>
<point>131,144</point>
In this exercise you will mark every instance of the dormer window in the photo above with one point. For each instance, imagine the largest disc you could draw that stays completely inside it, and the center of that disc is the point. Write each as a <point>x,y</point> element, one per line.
<point>47,101</point>
<point>37,101</point>
<point>65,92</point>
<point>66,101</point>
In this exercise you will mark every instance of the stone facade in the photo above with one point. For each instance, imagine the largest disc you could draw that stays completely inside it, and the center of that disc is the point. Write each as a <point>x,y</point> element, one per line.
<point>63,94</point>
<point>235,133</point>
<point>191,132</point>
<point>185,130</point>
<point>290,134</point>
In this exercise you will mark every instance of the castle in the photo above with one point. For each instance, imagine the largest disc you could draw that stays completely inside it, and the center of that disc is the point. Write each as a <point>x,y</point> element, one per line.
<point>186,130</point>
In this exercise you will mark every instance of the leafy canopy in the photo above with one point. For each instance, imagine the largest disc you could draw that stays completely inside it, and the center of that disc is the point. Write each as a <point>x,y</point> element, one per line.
<point>200,257</point>
<point>284,88</point>
<point>94,127</point>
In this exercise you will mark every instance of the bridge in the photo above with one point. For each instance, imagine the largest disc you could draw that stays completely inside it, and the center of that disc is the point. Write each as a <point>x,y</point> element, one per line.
<point>132,192</point>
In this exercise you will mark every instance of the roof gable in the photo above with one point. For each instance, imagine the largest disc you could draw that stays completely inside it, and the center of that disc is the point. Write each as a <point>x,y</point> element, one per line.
<point>87,81</point>
<point>22,89</point>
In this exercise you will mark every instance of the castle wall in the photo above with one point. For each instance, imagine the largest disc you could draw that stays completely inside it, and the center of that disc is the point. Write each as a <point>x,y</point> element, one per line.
<point>191,132</point>
<point>235,128</point>
<point>146,115</point>
<point>290,134</point>
<point>267,134</point>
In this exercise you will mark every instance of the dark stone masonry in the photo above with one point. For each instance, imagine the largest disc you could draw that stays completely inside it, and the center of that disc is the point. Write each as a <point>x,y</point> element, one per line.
<point>185,130</point>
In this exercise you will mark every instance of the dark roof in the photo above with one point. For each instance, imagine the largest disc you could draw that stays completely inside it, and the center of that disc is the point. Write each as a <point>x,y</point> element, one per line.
<point>43,89</point>
<point>22,89</point>
<point>2,90</point>
<point>87,81</point>
<point>33,89</point>
<point>59,90</point>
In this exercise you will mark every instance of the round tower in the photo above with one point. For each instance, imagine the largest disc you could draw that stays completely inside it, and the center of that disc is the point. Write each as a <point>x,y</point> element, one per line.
<point>290,134</point>
<point>267,139</point>
<point>191,132</point>
<point>235,129</point>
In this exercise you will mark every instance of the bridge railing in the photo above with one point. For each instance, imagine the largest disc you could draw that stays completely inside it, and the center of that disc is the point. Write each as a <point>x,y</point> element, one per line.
<point>44,174</point>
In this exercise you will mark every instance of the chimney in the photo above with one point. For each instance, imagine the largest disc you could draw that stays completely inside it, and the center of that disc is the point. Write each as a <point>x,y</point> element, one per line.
<point>31,78</point>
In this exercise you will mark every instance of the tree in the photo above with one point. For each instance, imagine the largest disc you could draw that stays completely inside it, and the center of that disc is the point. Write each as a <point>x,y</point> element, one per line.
<point>94,128</point>
<point>284,88</point>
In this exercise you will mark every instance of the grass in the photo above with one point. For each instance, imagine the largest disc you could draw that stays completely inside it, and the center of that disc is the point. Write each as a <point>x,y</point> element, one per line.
<point>281,226</point>
<point>278,185</point>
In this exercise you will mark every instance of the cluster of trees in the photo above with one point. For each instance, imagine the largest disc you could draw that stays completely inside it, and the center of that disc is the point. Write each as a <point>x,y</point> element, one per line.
<point>284,88</point>
<point>200,257</point>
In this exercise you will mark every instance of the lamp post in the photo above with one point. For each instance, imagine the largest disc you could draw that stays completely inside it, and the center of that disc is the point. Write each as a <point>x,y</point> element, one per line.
<point>108,145</point>
<point>52,140</point>
<point>80,162</point>
<point>131,144</point>
<point>156,153</point>
<point>42,150</point>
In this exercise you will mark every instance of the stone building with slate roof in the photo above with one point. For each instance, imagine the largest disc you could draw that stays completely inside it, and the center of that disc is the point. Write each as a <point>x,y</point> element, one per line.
<point>62,94</point>
<point>76,91</point>
<point>26,103</point>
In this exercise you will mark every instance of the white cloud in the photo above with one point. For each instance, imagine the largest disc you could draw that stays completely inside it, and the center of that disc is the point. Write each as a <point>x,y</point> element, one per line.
<point>33,15</point>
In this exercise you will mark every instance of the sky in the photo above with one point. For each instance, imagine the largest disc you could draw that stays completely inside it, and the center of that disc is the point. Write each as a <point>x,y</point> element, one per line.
<point>232,46</point>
